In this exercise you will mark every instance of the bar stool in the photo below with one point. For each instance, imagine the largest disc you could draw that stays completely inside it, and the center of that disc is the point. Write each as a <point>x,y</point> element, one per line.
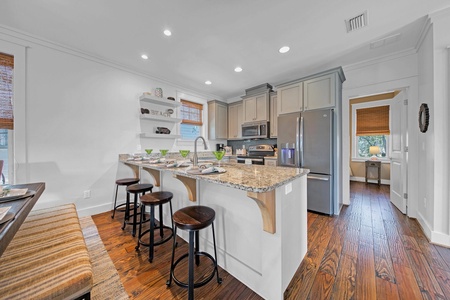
<point>136,189</point>
<point>122,182</point>
<point>193,219</point>
<point>153,199</point>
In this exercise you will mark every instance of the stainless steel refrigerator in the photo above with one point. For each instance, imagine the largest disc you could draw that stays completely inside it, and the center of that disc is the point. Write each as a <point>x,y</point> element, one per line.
<point>305,140</point>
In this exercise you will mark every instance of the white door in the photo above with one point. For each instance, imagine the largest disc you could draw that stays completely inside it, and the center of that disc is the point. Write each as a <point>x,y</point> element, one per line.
<point>399,158</point>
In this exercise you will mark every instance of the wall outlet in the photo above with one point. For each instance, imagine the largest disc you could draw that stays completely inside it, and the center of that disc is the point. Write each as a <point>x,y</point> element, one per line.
<point>425,202</point>
<point>87,194</point>
<point>138,147</point>
<point>288,188</point>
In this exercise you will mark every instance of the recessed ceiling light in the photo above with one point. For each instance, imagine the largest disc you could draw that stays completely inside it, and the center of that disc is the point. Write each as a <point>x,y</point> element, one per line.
<point>284,49</point>
<point>238,69</point>
<point>167,32</point>
<point>208,82</point>
<point>144,56</point>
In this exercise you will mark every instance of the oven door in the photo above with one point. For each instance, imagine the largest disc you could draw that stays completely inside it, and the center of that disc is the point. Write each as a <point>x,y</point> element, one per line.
<point>253,160</point>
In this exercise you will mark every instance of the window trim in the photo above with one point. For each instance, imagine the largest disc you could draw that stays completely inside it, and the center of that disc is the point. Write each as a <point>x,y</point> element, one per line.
<point>18,151</point>
<point>181,143</point>
<point>354,137</point>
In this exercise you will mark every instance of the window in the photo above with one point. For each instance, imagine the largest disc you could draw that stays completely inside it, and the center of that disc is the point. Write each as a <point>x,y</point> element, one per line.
<point>371,127</point>
<point>6,110</point>
<point>192,119</point>
<point>6,91</point>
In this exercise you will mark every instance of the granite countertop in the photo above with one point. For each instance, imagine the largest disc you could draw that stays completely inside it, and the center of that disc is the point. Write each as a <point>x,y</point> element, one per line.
<point>252,178</point>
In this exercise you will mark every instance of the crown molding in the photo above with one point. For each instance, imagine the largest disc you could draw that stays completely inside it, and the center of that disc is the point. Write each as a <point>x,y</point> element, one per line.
<point>380,59</point>
<point>425,28</point>
<point>24,38</point>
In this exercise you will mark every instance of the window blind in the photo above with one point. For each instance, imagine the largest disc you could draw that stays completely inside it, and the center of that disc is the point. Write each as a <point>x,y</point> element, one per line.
<point>6,91</point>
<point>372,121</point>
<point>191,113</point>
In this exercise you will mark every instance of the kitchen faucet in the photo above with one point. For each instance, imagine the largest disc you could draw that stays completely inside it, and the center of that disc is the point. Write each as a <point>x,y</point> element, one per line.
<point>195,159</point>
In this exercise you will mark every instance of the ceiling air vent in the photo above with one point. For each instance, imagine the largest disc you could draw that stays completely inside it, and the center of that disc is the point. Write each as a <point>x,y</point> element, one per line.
<point>356,22</point>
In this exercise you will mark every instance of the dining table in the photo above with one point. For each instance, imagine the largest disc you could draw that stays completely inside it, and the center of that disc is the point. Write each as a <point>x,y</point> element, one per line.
<point>20,207</point>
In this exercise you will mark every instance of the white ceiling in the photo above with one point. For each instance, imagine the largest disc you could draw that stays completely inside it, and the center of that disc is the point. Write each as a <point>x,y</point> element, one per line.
<point>211,37</point>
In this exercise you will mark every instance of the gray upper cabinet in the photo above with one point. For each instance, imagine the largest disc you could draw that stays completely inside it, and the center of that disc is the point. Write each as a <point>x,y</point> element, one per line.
<point>235,116</point>
<point>256,108</point>
<point>309,93</point>
<point>217,120</point>
<point>290,98</point>
<point>319,92</point>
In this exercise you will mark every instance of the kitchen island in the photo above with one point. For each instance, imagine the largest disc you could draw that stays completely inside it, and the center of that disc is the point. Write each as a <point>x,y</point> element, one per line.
<point>261,219</point>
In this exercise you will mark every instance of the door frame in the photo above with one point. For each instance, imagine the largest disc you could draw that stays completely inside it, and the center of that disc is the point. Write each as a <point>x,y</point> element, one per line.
<point>410,86</point>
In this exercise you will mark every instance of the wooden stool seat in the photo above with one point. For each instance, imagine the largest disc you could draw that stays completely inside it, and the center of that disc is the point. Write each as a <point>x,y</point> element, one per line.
<point>122,182</point>
<point>136,189</point>
<point>152,200</point>
<point>127,181</point>
<point>139,188</point>
<point>192,219</point>
<point>156,198</point>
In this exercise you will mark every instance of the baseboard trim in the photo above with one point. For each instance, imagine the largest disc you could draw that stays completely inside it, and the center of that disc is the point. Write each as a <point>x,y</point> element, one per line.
<point>94,210</point>
<point>362,179</point>
<point>434,237</point>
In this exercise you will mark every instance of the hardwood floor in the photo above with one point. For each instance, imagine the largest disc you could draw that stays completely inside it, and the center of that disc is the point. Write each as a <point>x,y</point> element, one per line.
<point>370,251</point>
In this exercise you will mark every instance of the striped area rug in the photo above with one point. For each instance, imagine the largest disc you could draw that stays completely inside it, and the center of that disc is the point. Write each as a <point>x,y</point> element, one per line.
<point>107,284</point>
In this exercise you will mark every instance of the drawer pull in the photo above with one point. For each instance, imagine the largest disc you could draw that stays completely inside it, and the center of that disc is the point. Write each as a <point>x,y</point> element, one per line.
<point>318,178</point>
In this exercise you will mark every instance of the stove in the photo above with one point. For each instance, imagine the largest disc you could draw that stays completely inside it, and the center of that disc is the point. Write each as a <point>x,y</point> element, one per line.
<point>256,154</point>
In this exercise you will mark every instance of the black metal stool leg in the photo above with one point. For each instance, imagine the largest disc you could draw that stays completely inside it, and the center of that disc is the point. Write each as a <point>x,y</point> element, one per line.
<point>152,233</point>
<point>127,211</point>
<point>219,280</point>
<point>135,214</point>
<point>197,248</point>
<point>141,223</point>
<point>191,266</point>
<point>161,223</point>
<point>169,282</point>
<point>115,202</point>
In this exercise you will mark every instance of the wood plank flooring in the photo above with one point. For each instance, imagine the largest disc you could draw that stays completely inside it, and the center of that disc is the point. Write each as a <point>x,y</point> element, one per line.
<point>370,251</point>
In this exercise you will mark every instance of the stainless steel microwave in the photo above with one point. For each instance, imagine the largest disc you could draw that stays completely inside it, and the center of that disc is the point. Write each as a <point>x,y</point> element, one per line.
<point>255,130</point>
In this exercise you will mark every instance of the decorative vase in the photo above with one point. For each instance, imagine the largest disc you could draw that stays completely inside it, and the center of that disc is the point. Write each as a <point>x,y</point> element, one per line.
<point>159,92</point>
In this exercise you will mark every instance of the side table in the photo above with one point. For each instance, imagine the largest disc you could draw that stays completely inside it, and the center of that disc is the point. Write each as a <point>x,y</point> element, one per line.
<point>374,164</point>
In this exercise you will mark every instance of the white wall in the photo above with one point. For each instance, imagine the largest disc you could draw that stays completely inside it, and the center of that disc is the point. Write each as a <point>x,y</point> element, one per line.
<point>440,113</point>
<point>426,140</point>
<point>80,113</point>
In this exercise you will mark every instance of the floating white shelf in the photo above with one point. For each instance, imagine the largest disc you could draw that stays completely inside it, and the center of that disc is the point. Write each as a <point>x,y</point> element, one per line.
<point>160,118</point>
<point>159,101</point>
<point>159,136</point>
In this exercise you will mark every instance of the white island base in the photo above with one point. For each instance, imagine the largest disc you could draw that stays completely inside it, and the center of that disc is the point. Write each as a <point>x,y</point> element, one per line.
<point>261,218</point>
<point>265,262</point>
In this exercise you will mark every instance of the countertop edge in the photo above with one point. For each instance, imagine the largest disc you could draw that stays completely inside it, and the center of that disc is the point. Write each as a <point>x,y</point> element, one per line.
<point>215,178</point>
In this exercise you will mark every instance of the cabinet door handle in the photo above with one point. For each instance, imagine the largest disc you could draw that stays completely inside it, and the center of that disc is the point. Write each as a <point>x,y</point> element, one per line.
<point>318,178</point>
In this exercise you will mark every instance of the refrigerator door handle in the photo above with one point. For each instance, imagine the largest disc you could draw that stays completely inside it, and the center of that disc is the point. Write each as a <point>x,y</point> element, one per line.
<point>318,178</point>
<point>298,163</point>
<point>301,142</point>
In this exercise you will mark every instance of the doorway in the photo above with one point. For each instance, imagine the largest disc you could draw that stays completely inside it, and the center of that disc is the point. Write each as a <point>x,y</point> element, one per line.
<point>378,142</point>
